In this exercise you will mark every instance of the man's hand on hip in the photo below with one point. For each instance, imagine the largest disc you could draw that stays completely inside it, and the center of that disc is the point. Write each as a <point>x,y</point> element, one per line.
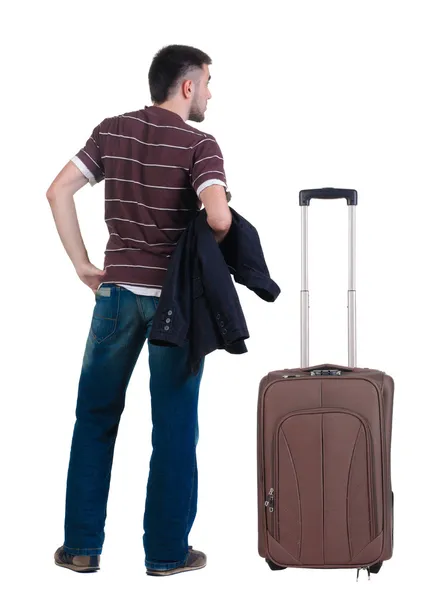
<point>90,275</point>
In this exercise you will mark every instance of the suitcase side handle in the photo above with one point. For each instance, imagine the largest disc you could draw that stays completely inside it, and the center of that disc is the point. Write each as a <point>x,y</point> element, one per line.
<point>328,194</point>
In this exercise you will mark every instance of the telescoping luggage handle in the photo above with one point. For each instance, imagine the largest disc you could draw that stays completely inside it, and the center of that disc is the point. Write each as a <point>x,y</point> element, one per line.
<point>351,198</point>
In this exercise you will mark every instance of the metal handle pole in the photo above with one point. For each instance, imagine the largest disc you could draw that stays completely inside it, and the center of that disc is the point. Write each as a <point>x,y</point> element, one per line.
<point>304,293</point>
<point>352,322</point>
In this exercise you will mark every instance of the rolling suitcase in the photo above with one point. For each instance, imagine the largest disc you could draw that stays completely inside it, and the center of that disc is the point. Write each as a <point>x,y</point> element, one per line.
<point>323,448</point>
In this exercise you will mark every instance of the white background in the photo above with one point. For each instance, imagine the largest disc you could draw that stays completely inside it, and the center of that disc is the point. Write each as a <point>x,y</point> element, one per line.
<point>305,94</point>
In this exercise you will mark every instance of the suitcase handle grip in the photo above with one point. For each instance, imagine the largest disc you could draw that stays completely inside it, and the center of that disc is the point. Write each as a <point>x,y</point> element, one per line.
<point>327,367</point>
<point>326,372</point>
<point>328,194</point>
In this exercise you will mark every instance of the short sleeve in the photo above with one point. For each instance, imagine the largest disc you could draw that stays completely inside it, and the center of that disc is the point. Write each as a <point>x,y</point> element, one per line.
<point>89,160</point>
<point>207,165</point>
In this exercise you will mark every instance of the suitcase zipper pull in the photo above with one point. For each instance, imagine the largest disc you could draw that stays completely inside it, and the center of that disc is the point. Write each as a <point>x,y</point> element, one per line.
<point>269,501</point>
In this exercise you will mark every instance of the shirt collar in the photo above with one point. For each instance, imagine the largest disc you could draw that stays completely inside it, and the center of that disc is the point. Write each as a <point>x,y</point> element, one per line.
<point>165,111</point>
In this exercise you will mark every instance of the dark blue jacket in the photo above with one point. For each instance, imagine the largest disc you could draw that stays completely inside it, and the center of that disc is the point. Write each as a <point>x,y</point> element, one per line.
<point>199,301</point>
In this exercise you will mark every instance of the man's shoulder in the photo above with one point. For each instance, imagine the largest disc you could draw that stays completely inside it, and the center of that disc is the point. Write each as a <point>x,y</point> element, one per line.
<point>200,135</point>
<point>203,134</point>
<point>112,119</point>
<point>140,114</point>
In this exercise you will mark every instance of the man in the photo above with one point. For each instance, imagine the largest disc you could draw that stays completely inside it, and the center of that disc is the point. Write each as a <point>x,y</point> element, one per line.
<point>158,172</point>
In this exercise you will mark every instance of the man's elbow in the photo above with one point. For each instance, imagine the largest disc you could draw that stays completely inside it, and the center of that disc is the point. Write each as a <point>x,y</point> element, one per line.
<point>222,220</point>
<point>50,193</point>
<point>54,190</point>
<point>220,225</point>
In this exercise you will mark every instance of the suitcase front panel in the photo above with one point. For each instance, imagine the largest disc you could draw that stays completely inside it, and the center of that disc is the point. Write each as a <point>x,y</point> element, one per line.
<point>324,508</point>
<point>320,454</point>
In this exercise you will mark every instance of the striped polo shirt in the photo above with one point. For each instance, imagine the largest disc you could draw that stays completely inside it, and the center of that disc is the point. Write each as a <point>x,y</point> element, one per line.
<point>155,166</point>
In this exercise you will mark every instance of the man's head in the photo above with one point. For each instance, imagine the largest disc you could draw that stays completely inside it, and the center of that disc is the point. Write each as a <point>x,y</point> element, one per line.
<point>178,80</point>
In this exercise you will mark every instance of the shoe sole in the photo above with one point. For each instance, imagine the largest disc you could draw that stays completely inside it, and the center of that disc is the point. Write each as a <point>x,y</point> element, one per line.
<point>78,569</point>
<point>160,573</point>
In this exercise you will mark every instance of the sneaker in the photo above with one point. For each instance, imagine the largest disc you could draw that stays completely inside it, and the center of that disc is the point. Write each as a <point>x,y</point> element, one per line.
<point>81,564</point>
<point>195,560</point>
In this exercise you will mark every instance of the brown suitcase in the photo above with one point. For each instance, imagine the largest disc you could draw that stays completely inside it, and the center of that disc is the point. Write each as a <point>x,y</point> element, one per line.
<point>324,444</point>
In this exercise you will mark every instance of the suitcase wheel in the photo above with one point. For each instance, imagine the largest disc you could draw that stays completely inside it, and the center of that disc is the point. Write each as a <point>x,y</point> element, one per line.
<point>274,566</point>
<point>375,568</point>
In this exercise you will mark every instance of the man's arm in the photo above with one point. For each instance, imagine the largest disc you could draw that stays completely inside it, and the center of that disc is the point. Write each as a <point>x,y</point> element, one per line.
<point>218,212</point>
<point>208,179</point>
<point>60,195</point>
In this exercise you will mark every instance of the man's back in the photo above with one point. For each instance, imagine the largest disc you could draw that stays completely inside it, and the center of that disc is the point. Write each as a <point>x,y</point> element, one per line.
<point>155,166</point>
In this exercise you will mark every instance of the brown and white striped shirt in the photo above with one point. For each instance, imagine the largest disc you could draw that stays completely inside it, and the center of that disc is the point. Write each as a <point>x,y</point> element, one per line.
<point>155,166</point>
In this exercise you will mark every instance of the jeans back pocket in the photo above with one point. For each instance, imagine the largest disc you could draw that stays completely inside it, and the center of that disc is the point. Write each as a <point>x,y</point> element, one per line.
<point>106,312</point>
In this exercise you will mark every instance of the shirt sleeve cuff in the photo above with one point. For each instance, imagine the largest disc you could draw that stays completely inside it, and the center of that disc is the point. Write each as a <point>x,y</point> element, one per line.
<point>207,183</point>
<point>85,171</point>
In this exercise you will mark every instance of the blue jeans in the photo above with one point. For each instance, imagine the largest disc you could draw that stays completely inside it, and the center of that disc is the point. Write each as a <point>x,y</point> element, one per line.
<point>120,325</point>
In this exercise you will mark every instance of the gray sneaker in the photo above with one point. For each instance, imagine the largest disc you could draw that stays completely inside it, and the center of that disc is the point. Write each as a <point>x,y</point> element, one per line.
<point>80,564</point>
<point>195,560</point>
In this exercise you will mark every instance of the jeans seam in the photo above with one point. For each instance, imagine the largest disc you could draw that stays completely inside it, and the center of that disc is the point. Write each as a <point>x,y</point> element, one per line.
<point>191,491</point>
<point>140,308</point>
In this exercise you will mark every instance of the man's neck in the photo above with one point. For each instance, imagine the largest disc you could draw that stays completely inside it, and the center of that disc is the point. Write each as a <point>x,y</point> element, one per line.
<point>171,106</point>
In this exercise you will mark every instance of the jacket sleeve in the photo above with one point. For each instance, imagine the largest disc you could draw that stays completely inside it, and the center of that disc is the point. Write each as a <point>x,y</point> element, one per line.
<point>171,323</point>
<point>219,288</point>
<point>242,251</point>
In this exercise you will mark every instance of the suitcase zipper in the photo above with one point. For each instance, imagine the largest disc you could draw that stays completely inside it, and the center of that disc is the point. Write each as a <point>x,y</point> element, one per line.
<point>270,500</point>
<point>269,504</point>
<point>371,480</point>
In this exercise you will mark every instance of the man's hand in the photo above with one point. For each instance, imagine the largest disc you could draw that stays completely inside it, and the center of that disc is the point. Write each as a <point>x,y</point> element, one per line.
<point>90,275</point>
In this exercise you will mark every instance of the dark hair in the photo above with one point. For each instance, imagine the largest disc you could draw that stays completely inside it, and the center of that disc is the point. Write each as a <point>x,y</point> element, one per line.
<point>169,65</point>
